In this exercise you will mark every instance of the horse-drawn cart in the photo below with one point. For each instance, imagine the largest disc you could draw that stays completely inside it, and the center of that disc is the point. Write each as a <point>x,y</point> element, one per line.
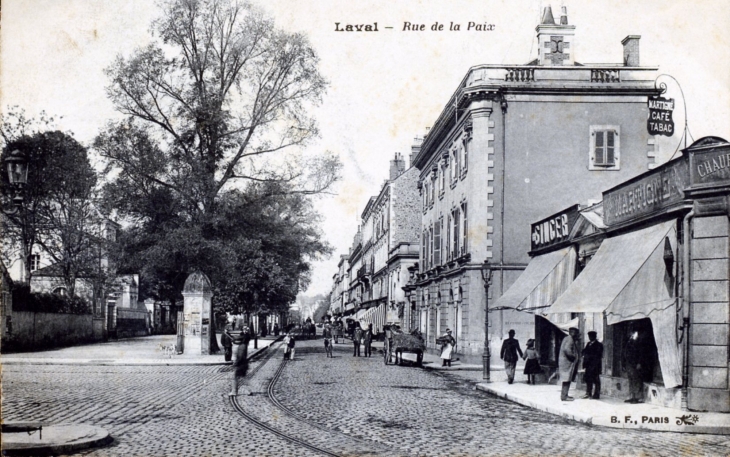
<point>397,342</point>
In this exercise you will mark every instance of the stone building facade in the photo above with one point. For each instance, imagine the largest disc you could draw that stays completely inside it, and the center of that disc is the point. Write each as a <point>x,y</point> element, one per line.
<point>515,142</point>
<point>383,249</point>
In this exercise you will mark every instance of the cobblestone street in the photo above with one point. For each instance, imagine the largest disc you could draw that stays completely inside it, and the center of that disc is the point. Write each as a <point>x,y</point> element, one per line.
<point>338,406</point>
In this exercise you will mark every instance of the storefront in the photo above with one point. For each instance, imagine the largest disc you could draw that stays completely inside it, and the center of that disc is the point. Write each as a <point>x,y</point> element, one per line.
<point>662,275</point>
<point>561,244</point>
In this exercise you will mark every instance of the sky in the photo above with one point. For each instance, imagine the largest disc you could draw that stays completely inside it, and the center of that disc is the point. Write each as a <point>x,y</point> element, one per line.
<point>385,87</point>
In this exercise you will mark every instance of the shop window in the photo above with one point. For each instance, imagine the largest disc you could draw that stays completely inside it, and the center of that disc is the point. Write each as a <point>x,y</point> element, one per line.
<point>605,144</point>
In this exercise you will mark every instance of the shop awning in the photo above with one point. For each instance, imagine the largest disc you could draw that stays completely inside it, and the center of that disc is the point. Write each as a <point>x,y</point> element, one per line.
<point>546,277</point>
<point>626,278</point>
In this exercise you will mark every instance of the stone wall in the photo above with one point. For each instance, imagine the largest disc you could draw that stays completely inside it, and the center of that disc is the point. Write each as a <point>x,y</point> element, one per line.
<point>35,331</point>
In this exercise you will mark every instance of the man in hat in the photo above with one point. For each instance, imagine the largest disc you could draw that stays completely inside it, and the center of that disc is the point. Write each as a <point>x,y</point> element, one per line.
<point>510,349</point>
<point>633,358</point>
<point>592,356</point>
<point>568,362</point>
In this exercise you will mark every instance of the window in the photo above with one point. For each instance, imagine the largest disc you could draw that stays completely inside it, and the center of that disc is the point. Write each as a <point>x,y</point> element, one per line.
<point>35,262</point>
<point>455,232</point>
<point>604,153</point>
<point>464,229</point>
<point>448,238</point>
<point>453,167</point>
<point>423,250</point>
<point>437,241</point>
<point>464,156</point>
<point>442,181</point>
<point>430,246</point>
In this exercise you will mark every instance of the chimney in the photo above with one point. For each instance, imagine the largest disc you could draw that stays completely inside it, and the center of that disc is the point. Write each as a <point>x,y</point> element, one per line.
<point>547,16</point>
<point>397,166</point>
<point>415,149</point>
<point>556,46</point>
<point>631,50</point>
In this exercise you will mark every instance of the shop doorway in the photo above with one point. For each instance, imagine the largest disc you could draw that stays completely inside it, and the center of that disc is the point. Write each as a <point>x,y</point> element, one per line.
<point>651,370</point>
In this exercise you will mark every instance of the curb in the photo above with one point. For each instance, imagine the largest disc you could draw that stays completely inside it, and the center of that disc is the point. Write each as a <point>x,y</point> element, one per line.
<point>99,438</point>
<point>605,421</point>
<point>138,362</point>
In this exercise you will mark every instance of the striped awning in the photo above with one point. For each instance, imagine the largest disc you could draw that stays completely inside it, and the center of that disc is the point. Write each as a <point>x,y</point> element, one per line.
<point>546,277</point>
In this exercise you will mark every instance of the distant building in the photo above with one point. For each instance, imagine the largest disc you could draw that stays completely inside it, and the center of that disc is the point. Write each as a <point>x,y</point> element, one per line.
<point>372,275</point>
<point>513,143</point>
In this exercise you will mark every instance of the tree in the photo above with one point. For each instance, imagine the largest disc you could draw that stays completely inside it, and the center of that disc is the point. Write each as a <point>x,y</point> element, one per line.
<point>57,213</point>
<point>21,226</point>
<point>201,162</point>
<point>217,95</point>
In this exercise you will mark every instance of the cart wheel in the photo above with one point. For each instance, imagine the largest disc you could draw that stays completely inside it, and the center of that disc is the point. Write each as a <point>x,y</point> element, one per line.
<point>419,359</point>
<point>386,352</point>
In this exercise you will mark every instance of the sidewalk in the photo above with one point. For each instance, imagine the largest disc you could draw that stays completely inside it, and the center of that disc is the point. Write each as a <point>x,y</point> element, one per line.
<point>130,351</point>
<point>607,412</point>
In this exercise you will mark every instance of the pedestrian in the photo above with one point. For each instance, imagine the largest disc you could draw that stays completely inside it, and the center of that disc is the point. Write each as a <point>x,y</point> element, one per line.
<point>568,362</point>
<point>592,357</point>
<point>338,331</point>
<point>287,337</point>
<point>447,347</point>
<point>240,364</point>
<point>227,343</point>
<point>510,349</point>
<point>532,366</point>
<point>633,358</point>
<point>327,336</point>
<point>290,344</point>
<point>367,339</point>
<point>356,338</point>
<point>276,329</point>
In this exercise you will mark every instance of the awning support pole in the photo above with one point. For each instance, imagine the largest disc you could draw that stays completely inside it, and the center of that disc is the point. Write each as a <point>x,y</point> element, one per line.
<point>686,299</point>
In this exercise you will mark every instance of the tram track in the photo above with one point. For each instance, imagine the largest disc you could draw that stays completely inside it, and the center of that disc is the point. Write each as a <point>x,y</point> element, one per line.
<point>374,447</point>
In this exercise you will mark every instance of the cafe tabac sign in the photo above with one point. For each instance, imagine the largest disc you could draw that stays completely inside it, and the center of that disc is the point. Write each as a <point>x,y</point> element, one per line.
<point>647,193</point>
<point>660,120</point>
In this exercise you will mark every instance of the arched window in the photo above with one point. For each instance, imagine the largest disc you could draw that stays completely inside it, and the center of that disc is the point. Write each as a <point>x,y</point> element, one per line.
<point>62,291</point>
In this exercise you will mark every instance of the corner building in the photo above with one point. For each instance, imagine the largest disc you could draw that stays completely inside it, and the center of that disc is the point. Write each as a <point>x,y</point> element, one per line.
<point>515,142</point>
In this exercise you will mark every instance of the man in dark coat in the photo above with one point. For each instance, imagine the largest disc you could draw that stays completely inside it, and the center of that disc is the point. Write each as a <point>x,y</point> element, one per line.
<point>510,349</point>
<point>367,339</point>
<point>592,357</point>
<point>356,338</point>
<point>227,343</point>
<point>568,362</point>
<point>634,356</point>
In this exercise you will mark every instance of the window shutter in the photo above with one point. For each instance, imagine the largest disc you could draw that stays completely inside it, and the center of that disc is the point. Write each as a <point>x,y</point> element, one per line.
<point>437,242</point>
<point>456,233</point>
<point>448,238</point>
<point>610,147</point>
<point>599,149</point>
<point>465,229</point>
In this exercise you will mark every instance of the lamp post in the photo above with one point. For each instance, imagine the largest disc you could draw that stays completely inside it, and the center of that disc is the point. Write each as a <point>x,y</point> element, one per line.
<point>486,356</point>
<point>17,168</point>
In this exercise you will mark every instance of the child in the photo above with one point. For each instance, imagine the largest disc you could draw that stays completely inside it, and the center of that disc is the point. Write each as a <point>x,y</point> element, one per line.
<point>532,367</point>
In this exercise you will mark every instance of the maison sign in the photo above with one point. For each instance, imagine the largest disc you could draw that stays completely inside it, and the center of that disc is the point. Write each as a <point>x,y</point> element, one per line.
<point>647,193</point>
<point>660,120</point>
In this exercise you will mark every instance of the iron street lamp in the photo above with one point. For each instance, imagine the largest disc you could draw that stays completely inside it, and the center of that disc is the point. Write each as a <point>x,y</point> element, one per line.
<point>17,168</point>
<point>486,356</point>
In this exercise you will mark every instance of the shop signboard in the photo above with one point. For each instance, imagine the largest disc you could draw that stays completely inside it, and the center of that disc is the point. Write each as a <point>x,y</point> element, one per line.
<point>711,167</point>
<point>553,230</point>
<point>660,120</point>
<point>646,194</point>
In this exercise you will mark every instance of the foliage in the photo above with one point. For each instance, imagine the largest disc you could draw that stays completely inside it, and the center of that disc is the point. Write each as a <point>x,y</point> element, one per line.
<point>201,165</point>
<point>25,300</point>
<point>57,211</point>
